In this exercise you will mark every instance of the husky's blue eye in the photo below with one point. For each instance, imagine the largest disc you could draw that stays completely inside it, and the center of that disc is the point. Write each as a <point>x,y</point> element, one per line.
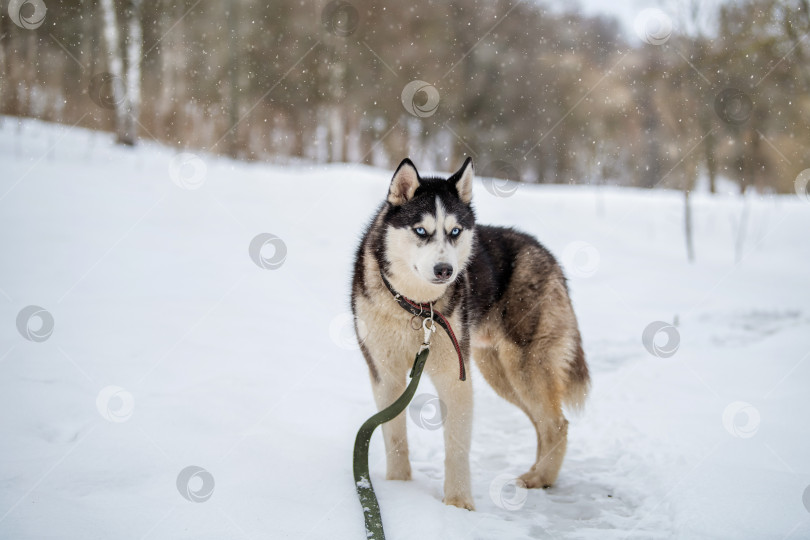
<point>455,232</point>
<point>420,231</point>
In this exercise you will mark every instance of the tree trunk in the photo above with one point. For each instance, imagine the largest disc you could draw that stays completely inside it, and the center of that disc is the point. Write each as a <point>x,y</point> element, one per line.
<point>650,124</point>
<point>690,172</point>
<point>4,74</point>
<point>741,228</point>
<point>233,72</point>
<point>134,58</point>
<point>687,215</point>
<point>336,123</point>
<point>651,174</point>
<point>172,89</point>
<point>30,75</point>
<point>337,133</point>
<point>115,63</point>
<point>709,147</point>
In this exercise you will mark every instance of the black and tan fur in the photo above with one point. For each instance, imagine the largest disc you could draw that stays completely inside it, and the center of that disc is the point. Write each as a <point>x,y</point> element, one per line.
<point>507,301</point>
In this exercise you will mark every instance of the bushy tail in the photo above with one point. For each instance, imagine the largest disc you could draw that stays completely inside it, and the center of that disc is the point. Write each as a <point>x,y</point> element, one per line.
<point>579,380</point>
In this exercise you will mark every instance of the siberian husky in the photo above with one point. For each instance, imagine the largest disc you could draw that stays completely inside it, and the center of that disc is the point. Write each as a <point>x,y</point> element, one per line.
<point>505,299</point>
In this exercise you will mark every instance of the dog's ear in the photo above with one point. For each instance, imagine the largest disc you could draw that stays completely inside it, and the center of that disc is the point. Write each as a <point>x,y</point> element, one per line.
<point>464,181</point>
<point>404,183</point>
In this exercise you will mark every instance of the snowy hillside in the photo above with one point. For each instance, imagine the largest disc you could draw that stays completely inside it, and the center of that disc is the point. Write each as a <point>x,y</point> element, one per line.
<point>164,344</point>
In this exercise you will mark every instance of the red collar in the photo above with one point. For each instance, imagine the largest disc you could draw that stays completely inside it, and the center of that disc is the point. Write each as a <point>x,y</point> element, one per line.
<point>424,310</point>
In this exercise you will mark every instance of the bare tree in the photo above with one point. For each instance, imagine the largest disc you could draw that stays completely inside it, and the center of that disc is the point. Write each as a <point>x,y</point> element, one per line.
<point>173,87</point>
<point>559,102</point>
<point>134,57</point>
<point>115,63</point>
<point>232,7</point>
<point>128,105</point>
<point>4,83</point>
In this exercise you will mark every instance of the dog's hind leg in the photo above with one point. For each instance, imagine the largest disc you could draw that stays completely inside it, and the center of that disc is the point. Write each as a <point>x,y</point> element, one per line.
<point>457,397</point>
<point>488,362</point>
<point>386,391</point>
<point>535,384</point>
<point>552,440</point>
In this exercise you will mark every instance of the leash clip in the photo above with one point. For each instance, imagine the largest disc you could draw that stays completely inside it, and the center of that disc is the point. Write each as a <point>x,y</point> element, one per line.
<point>428,326</point>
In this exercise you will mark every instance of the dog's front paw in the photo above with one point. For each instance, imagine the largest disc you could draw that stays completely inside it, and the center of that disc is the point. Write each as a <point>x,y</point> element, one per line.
<point>460,502</point>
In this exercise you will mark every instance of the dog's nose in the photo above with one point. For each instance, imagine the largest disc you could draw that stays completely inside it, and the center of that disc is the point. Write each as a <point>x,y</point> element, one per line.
<point>443,271</point>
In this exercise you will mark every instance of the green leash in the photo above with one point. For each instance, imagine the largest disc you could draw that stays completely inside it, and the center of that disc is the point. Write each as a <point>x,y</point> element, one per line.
<point>362,478</point>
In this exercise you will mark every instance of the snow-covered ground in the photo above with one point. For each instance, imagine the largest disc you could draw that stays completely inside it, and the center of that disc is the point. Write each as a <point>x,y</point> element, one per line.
<point>172,348</point>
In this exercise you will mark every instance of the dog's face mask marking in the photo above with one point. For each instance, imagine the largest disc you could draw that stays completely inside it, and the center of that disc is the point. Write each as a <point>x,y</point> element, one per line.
<point>429,235</point>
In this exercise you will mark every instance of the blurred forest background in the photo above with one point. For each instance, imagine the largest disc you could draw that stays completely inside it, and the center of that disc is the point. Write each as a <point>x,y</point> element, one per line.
<point>534,93</point>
